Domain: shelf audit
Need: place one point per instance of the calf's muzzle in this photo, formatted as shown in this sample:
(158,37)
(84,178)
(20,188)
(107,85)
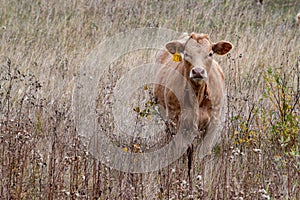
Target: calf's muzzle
(198,74)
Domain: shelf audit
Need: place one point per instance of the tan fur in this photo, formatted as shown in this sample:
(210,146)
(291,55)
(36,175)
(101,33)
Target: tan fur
(209,92)
(199,37)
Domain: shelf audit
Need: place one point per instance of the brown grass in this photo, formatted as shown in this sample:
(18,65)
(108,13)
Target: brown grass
(42,44)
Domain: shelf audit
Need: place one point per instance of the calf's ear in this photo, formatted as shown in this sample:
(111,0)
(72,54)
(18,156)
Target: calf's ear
(222,47)
(175,46)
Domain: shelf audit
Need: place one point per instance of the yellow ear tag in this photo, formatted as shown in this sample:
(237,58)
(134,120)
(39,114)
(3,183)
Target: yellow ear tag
(177,57)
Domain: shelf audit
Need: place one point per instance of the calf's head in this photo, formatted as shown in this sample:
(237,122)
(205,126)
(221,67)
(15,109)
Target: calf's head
(198,51)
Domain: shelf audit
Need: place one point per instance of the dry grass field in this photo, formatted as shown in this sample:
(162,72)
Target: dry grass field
(43,44)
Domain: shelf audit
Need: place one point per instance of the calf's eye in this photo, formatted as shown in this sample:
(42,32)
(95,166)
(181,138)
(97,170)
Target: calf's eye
(210,54)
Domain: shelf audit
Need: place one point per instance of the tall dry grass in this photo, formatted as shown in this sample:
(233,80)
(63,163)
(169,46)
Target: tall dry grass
(42,44)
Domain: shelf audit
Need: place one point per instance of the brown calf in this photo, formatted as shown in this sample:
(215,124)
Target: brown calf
(200,70)
(204,76)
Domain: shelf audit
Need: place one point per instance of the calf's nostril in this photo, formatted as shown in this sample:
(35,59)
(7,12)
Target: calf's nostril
(194,71)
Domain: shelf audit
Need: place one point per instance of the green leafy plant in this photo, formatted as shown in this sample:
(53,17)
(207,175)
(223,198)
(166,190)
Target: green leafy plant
(282,114)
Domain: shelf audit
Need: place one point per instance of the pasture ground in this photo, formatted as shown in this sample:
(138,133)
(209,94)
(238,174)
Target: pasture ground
(42,46)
